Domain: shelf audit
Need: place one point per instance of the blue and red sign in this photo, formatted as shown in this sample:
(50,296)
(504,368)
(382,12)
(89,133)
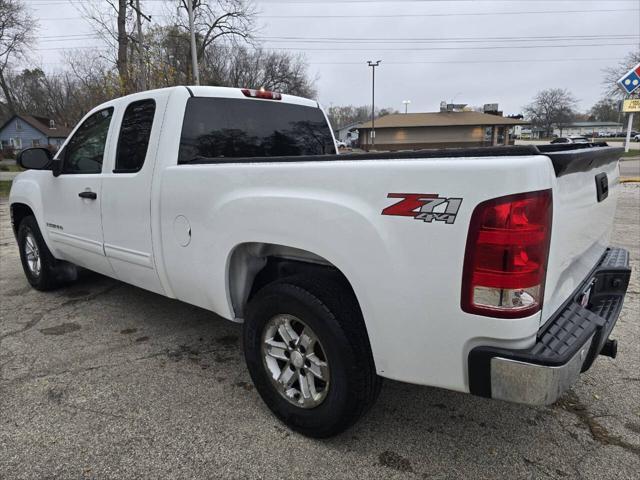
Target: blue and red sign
(631,81)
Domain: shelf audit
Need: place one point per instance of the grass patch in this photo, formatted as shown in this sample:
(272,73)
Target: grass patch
(11,168)
(631,153)
(5,187)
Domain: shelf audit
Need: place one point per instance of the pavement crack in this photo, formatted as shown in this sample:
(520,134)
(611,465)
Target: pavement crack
(39,316)
(91,296)
(572,403)
(97,412)
(27,326)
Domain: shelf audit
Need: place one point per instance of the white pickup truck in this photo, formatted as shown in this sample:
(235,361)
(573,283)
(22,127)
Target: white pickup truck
(482,270)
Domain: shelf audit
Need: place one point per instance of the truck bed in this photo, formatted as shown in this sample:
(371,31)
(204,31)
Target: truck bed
(565,158)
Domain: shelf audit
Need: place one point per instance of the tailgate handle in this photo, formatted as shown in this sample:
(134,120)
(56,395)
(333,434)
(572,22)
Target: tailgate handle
(602,186)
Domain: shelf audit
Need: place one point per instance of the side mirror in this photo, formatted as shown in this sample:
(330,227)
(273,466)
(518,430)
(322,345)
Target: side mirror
(36,158)
(56,167)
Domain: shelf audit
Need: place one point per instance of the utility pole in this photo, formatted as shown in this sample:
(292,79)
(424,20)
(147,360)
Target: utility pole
(143,76)
(194,54)
(373,100)
(406,105)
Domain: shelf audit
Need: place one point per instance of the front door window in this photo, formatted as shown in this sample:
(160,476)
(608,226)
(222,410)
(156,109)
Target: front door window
(85,151)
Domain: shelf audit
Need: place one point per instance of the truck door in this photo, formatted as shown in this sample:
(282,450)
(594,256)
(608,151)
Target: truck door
(72,201)
(126,206)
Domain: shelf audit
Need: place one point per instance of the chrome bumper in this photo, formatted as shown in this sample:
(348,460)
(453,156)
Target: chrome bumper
(521,382)
(566,346)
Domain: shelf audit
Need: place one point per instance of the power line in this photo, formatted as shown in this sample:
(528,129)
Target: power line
(452,62)
(404,15)
(97,47)
(402,49)
(555,37)
(493,47)
(407,15)
(465,62)
(48,37)
(307,2)
(451,14)
(350,40)
(414,39)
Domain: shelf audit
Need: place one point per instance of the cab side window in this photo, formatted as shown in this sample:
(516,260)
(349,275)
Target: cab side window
(134,136)
(85,151)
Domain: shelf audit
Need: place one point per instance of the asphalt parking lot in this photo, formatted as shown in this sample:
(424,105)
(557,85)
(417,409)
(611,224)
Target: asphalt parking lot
(104,380)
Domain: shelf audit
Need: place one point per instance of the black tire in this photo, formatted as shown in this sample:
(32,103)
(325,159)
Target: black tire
(52,273)
(325,303)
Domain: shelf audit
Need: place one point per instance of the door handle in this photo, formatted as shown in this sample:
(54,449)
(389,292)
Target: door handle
(89,195)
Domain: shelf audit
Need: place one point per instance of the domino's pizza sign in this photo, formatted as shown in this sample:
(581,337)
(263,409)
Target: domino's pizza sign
(631,81)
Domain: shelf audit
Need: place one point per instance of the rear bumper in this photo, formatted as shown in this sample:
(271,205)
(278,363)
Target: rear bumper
(566,346)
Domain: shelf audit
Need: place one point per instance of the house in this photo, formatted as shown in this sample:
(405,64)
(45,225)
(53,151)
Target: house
(444,129)
(523,132)
(590,129)
(23,131)
(348,134)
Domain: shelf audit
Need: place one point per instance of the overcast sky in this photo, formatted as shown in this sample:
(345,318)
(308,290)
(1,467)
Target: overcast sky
(431,50)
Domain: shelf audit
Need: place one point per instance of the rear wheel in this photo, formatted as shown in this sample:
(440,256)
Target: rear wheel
(308,354)
(42,270)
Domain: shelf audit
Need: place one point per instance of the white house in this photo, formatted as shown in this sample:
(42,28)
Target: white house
(348,134)
(587,129)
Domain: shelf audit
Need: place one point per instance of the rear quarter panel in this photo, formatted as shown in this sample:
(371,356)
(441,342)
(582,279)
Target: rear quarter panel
(406,273)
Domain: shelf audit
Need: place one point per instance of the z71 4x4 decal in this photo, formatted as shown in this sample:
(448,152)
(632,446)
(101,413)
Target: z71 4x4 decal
(427,207)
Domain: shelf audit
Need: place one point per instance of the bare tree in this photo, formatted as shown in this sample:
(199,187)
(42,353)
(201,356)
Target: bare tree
(341,116)
(225,65)
(605,110)
(89,77)
(91,80)
(169,61)
(123,43)
(67,95)
(281,72)
(554,106)
(613,74)
(218,22)
(114,23)
(16,34)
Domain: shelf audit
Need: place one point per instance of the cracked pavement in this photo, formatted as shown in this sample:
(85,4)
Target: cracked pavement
(104,380)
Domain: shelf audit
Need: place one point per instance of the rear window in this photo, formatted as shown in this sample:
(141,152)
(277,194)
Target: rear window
(239,128)
(134,136)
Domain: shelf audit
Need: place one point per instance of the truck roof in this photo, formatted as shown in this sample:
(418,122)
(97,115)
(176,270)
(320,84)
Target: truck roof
(207,91)
(231,92)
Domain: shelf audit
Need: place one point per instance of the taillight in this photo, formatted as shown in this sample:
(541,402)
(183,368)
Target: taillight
(264,94)
(506,257)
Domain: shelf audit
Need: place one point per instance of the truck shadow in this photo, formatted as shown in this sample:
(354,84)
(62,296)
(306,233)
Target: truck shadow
(409,428)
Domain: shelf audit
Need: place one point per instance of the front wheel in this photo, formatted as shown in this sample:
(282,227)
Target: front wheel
(42,270)
(308,354)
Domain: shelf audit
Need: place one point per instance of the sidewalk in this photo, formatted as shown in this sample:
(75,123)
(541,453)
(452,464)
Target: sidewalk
(4,176)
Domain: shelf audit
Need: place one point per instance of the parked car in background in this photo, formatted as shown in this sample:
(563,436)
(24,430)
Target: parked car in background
(637,138)
(570,140)
(340,144)
(606,134)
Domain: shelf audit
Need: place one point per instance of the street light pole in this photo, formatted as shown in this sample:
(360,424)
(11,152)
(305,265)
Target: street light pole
(406,105)
(373,100)
(194,55)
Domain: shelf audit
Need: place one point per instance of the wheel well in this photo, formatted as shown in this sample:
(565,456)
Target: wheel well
(18,212)
(254,265)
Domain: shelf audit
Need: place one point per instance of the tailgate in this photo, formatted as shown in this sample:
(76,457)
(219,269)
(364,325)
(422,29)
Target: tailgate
(584,205)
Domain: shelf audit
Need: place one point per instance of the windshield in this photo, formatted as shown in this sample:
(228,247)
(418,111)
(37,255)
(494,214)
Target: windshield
(242,128)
